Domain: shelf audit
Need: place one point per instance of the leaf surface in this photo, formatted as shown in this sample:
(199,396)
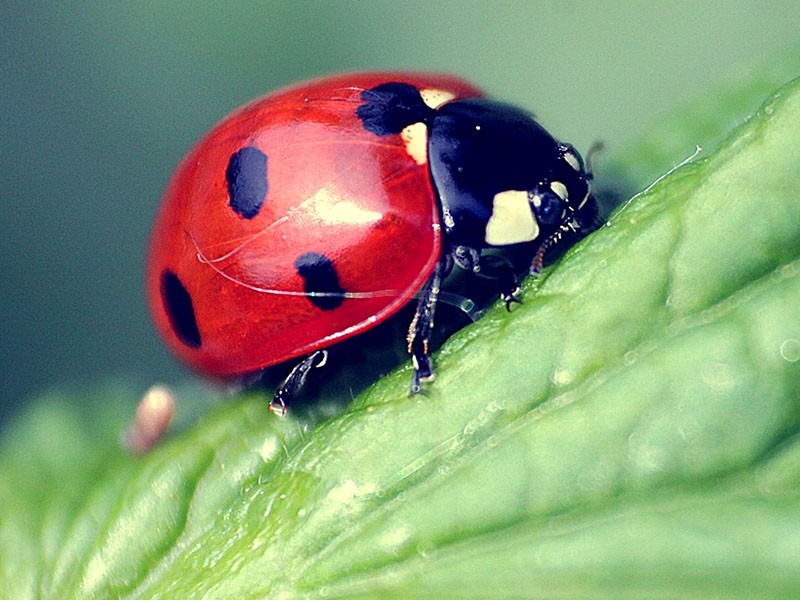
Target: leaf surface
(629,431)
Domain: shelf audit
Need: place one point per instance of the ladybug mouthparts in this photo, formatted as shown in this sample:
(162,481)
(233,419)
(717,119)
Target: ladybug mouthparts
(571,223)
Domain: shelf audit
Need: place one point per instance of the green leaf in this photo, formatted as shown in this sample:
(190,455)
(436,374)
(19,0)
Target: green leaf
(630,431)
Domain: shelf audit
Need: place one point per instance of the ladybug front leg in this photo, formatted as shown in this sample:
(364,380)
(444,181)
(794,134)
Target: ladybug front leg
(295,381)
(491,266)
(501,270)
(419,332)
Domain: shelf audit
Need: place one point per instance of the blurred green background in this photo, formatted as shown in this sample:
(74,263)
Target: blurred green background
(99,101)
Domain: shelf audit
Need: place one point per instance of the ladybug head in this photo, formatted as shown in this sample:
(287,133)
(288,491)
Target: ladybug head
(502,179)
(563,204)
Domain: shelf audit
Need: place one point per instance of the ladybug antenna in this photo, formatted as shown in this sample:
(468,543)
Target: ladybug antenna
(595,150)
(389,108)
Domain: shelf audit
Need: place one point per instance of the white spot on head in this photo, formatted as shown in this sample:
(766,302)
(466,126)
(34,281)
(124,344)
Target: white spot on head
(512,220)
(415,137)
(572,160)
(559,189)
(435,98)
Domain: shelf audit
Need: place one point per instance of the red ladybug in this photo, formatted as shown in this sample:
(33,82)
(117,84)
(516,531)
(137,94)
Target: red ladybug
(318,211)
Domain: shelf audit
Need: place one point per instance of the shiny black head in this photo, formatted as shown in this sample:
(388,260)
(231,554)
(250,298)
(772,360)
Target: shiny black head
(502,179)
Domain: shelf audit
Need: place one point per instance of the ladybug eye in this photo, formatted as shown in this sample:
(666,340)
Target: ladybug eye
(548,207)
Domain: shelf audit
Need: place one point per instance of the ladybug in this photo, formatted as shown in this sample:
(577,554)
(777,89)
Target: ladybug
(314,213)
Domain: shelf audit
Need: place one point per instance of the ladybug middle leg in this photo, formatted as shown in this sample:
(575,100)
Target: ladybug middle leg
(494,267)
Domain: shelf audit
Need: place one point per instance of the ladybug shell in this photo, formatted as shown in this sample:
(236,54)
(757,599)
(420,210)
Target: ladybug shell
(289,227)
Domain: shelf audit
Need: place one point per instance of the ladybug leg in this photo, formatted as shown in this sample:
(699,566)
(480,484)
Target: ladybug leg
(295,381)
(491,266)
(419,332)
(502,271)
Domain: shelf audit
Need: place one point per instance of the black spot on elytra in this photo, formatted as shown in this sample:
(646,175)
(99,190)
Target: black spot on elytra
(247,181)
(390,107)
(321,281)
(179,309)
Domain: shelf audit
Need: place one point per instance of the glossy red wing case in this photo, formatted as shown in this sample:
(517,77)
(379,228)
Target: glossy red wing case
(334,190)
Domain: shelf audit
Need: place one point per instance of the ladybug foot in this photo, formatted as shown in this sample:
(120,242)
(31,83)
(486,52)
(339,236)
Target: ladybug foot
(419,332)
(295,381)
(423,372)
(513,297)
(277,406)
